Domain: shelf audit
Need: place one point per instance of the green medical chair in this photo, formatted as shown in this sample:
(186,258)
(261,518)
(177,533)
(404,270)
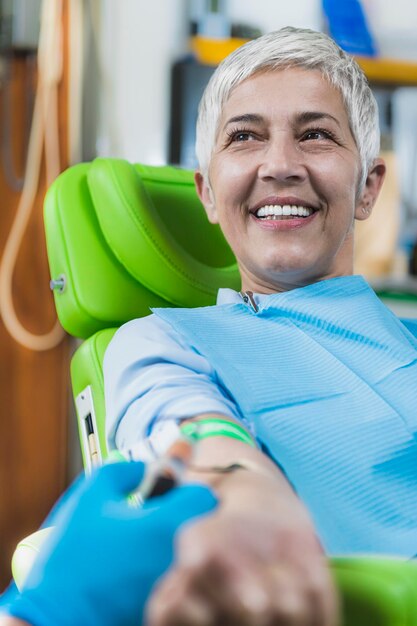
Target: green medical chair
(122,238)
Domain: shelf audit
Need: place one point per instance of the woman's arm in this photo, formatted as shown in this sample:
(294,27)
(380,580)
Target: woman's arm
(261,526)
(152,377)
(6,620)
(257,558)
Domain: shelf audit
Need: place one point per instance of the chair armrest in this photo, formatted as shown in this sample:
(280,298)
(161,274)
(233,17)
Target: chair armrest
(25,554)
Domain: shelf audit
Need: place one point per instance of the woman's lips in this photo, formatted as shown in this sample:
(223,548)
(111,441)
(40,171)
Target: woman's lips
(285,222)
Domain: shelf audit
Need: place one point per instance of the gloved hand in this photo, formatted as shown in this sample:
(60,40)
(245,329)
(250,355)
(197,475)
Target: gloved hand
(8,597)
(103,557)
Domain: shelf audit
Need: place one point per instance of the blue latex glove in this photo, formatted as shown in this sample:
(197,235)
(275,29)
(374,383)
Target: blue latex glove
(8,597)
(104,556)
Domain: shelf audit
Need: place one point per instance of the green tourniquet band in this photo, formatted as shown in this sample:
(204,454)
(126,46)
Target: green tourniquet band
(202,429)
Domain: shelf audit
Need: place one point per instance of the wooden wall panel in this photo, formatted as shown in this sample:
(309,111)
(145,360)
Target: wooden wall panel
(34,396)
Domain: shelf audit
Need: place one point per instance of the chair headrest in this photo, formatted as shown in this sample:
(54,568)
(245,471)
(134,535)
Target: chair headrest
(128,237)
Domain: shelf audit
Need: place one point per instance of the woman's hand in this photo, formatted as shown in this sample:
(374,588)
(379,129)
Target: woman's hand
(255,562)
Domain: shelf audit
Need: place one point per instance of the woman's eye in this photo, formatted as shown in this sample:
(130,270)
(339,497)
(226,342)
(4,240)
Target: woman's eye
(317,134)
(240,136)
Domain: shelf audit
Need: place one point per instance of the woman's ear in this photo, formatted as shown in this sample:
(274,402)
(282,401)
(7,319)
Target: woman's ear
(371,190)
(206,196)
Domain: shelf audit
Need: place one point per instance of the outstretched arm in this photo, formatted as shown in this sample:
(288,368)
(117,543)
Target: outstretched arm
(255,560)
(261,542)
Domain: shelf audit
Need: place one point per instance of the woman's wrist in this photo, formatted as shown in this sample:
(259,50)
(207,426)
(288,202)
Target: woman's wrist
(248,490)
(8,620)
(244,479)
(254,481)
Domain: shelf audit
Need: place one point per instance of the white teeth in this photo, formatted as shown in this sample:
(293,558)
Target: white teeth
(276,210)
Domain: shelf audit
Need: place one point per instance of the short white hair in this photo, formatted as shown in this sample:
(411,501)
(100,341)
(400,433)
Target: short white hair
(292,47)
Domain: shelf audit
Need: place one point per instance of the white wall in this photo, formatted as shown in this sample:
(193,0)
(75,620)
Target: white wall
(270,15)
(394,24)
(139,40)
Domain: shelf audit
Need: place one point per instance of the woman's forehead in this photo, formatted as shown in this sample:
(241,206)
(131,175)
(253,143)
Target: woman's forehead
(290,89)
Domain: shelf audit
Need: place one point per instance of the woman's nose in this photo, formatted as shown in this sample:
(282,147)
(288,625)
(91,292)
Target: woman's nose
(281,160)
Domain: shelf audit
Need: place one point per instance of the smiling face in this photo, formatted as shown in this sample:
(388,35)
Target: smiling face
(283,180)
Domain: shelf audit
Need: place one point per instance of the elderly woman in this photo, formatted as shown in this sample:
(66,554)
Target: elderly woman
(306,363)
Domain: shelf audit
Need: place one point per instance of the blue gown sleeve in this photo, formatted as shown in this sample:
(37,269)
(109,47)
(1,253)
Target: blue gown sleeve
(152,378)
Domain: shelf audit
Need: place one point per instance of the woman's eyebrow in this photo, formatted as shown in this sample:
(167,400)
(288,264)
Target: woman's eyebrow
(312,116)
(245,118)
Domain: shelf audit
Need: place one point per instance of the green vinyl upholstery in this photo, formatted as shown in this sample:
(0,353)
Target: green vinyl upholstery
(376,591)
(127,237)
(86,371)
(124,238)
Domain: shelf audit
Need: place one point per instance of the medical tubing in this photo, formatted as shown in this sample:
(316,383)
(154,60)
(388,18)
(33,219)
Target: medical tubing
(51,71)
(202,429)
(44,129)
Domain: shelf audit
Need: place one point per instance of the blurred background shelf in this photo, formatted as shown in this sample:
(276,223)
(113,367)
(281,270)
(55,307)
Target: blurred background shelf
(389,72)
(380,71)
(406,285)
(398,293)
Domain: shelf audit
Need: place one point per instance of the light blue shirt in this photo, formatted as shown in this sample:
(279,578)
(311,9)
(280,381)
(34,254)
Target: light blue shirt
(327,375)
(153,379)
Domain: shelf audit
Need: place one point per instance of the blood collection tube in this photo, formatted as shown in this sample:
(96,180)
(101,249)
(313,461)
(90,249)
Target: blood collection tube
(166,472)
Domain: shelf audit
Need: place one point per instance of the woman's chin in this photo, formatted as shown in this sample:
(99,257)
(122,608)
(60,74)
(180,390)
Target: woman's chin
(273,278)
(287,269)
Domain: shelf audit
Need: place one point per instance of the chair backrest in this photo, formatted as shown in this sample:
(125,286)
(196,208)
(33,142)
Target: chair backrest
(122,238)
